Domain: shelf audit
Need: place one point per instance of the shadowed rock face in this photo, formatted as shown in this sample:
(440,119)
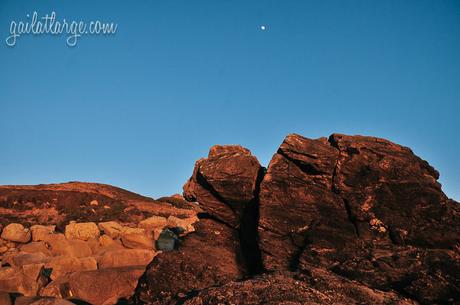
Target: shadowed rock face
(338,220)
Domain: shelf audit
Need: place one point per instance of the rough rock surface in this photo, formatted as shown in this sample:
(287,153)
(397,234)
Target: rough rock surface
(338,220)
(224,183)
(208,257)
(58,204)
(105,286)
(365,208)
(16,232)
(83,231)
(287,289)
(108,256)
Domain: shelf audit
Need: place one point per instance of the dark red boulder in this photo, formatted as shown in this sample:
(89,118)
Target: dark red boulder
(224,183)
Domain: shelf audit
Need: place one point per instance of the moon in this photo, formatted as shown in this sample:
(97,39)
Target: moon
(263,28)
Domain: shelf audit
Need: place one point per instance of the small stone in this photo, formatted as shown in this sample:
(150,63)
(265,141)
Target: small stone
(83,230)
(167,240)
(3,249)
(17,233)
(94,202)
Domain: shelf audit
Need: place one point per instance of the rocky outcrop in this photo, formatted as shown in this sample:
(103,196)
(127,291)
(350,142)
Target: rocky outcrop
(338,220)
(354,219)
(365,208)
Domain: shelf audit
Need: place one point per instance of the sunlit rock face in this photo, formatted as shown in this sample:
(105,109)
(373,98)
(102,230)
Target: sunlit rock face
(47,260)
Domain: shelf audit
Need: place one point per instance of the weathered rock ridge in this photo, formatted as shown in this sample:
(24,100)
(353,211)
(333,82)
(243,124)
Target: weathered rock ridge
(338,220)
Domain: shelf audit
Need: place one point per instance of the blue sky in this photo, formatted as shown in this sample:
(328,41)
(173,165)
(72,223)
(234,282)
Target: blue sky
(138,108)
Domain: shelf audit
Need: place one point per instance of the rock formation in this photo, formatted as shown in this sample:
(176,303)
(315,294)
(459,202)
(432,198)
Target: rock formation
(338,220)
(84,261)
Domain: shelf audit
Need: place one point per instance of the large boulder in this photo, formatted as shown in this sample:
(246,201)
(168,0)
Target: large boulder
(389,190)
(17,233)
(297,204)
(83,231)
(224,183)
(364,207)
